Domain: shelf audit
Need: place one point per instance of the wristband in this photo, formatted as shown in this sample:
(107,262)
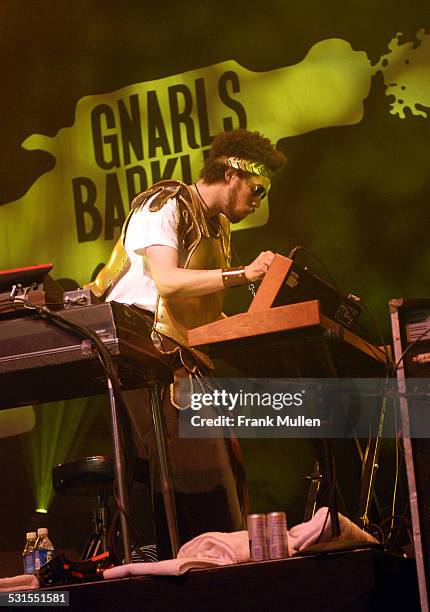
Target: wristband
(233,277)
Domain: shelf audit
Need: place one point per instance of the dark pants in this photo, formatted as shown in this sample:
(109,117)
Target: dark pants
(204,474)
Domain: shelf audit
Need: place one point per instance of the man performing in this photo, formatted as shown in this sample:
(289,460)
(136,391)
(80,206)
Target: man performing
(172,260)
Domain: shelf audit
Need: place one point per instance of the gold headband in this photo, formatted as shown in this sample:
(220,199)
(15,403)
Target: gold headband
(245,164)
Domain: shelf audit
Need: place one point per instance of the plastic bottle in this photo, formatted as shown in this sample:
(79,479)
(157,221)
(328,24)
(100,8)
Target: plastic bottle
(44,549)
(28,553)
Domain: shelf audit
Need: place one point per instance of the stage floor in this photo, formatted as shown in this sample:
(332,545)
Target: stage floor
(351,581)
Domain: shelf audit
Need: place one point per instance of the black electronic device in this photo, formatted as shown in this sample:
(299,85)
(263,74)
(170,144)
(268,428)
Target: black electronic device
(24,276)
(31,284)
(41,362)
(301,285)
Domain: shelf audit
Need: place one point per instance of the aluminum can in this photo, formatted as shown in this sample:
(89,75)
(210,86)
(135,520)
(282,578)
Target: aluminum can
(257,534)
(277,535)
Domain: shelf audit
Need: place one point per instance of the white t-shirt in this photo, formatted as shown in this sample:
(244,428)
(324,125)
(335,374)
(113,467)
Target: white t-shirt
(145,229)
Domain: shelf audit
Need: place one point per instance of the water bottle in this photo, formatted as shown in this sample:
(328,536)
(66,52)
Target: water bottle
(44,549)
(28,553)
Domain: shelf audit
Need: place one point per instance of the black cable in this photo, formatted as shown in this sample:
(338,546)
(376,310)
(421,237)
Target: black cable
(103,353)
(298,248)
(380,336)
(135,532)
(331,497)
(375,527)
(402,520)
(409,348)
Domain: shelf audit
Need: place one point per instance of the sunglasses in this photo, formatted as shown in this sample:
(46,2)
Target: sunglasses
(258,191)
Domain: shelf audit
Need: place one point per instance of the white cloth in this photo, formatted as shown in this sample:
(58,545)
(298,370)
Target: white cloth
(221,548)
(216,548)
(206,550)
(145,229)
(23,582)
(305,534)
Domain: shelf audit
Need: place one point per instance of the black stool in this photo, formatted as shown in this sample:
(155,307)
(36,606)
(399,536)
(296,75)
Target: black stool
(94,477)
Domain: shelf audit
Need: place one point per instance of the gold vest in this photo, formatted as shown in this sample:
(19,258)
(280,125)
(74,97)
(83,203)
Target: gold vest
(202,245)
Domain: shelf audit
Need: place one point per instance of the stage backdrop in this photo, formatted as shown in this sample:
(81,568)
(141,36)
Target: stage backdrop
(100,99)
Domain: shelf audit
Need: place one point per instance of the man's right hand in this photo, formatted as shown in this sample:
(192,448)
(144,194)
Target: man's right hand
(257,269)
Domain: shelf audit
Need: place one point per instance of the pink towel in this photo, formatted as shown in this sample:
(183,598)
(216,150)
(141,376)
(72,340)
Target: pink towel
(19,583)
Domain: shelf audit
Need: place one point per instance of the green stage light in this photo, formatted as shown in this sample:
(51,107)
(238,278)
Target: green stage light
(58,426)
(41,511)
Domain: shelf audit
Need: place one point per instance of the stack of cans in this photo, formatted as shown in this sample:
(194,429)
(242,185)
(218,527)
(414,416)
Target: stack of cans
(268,536)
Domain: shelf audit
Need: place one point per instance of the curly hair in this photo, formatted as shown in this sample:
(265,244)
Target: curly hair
(244,144)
